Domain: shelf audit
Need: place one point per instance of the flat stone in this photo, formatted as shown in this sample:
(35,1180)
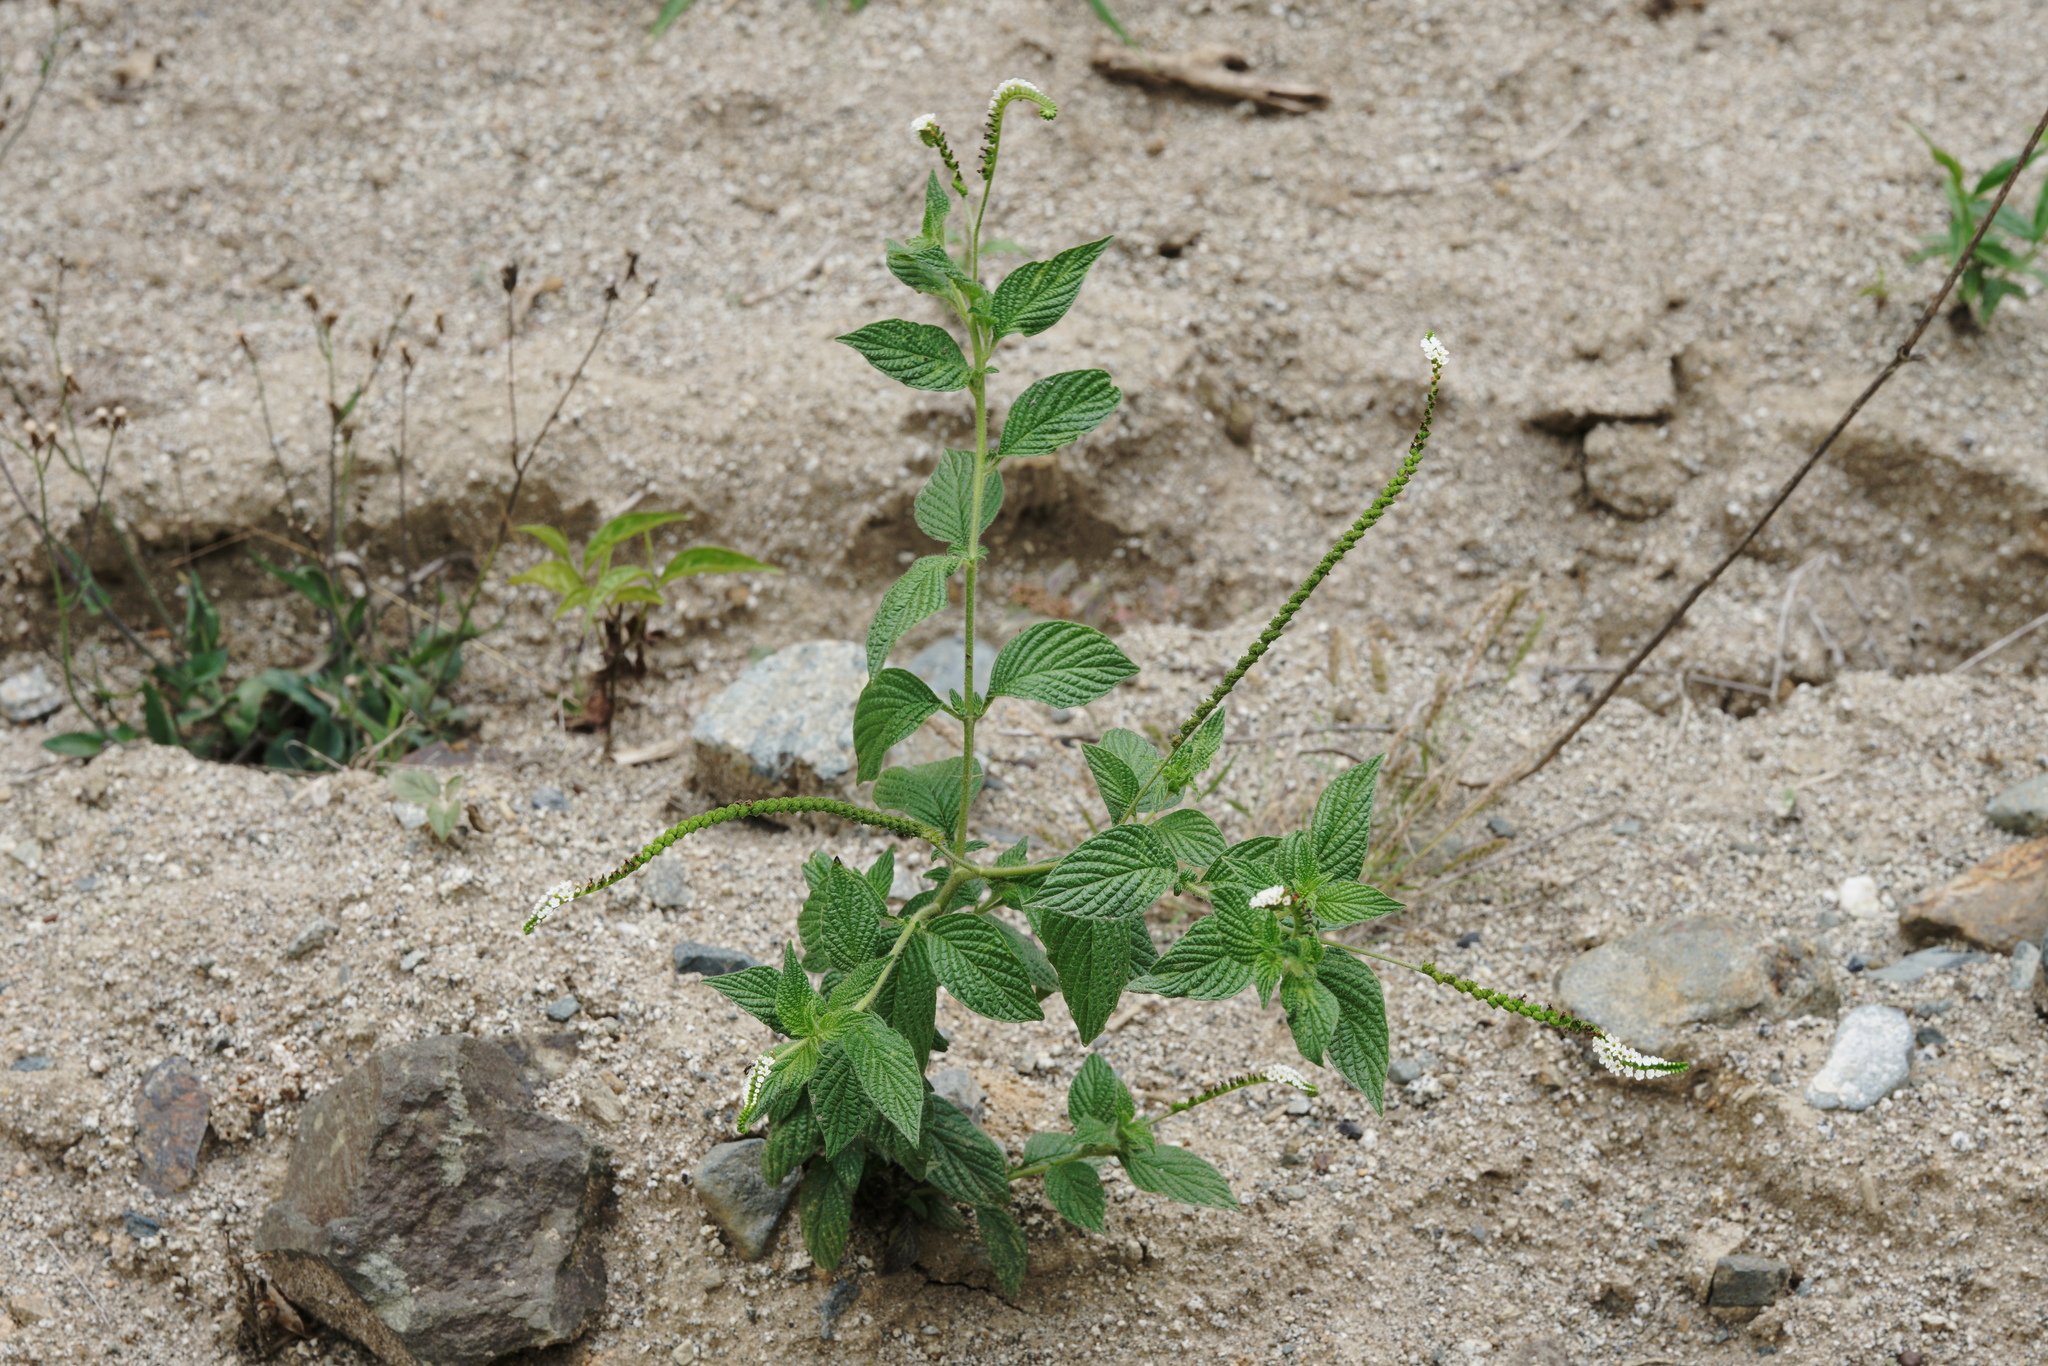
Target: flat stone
(312,936)
(958,1085)
(433,1215)
(784,728)
(1996,904)
(2021,808)
(603,1103)
(30,696)
(1647,987)
(736,1199)
(1914,966)
(1742,1281)
(1631,469)
(2026,963)
(170,1123)
(1871,1058)
(709,959)
(26,1308)
(666,882)
(34,1062)
(563,1010)
(1636,390)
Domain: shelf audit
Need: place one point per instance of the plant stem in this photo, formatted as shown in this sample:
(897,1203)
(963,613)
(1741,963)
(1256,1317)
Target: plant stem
(952,883)
(1499,1000)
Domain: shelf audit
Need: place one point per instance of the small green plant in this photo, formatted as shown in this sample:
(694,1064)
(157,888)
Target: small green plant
(844,1094)
(2004,259)
(614,598)
(442,801)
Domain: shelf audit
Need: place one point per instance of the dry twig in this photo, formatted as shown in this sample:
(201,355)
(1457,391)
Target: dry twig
(1214,70)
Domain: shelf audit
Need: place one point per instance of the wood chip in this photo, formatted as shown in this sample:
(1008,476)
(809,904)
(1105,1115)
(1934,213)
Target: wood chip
(647,754)
(1217,71)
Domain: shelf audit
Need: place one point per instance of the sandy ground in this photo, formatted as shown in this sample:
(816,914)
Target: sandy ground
(1687,257)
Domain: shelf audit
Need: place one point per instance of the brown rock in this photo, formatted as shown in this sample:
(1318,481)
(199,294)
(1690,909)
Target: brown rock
(1998,903)
(1630,468)
(170,1124)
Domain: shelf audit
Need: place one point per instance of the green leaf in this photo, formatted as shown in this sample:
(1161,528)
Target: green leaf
(926,268)
(557,576)
(1190,837)
(1342,828)
(937,204)
(414,785)
(824,1209)
(1243,930)
(671,10)
(945,505)
(1347,903)
(1008,1253)
(1038,294)
(1102,12)
(624,528)
(1179,1175)
(1044,981)
(1114,781)
(919,593)
(76,744)
(841,1106)
(796,1002)
(926,792)
(1111,876)
(1043,1147)
(974,963)
(910,998)
(881,874)
(853,916)
(889,1073)
(1075,1190)
(712,559)
(1145,763)
(1198,967)
(790,1144)
(553,540)
(1093,959)
(1311,1015)
(1359,1047)
(156,718)
(1059,663)
(917,354)
(752,990)
(965,1162)
(891,708)
(1196,753)
(1098,1093)
(1055,411)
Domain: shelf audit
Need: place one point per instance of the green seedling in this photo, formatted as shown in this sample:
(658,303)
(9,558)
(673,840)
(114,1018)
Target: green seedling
(2004,259)
(442,801)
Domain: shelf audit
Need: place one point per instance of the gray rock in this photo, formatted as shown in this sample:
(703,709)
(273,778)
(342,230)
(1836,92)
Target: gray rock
(785,727)
(34,1062)
(30,696)
(958,1085)
(1871,1058)
(170,1123)
(312,936)
(563,1010)
(1401,1071)
(939,664)
(709,959)
(1501,826)
(836,1302)
(139,1226)
(1649,986)
(736,1199)
(1743,1281)
(2026,962)
(549,799)
(412,959)
(433,1215)
(1631,469)
(2021,808)
(1925,963)
(666,883)
(409,815)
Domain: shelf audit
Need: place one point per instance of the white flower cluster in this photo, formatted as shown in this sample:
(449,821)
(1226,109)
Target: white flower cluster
(1014,89)
(1272,896)
(757,1082)
(924,123)
(1434,350)
(558,896)
(1623,1061)
(1287,1076)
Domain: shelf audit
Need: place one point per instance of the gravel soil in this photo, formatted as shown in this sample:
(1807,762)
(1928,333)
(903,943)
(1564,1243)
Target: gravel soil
(1655,227)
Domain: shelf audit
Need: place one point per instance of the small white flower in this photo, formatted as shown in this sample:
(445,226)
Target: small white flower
(1272,896)
(1434,350)
(558,896)
(1287,1076)
(1623,1061)
(924,123)
(757,1082)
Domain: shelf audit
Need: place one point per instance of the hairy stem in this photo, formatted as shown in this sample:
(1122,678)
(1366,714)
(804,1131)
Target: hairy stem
(1499,1000)
(1322,569)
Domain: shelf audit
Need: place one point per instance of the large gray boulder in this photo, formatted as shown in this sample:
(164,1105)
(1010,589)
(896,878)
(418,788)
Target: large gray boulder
(433,1215)
(1647,987)
(784,728)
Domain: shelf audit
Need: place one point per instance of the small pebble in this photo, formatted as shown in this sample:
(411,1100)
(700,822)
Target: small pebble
(1871,1057)
(34,1062)
(313,935)
(412,960)
(564,1010)
(409,815)
(1910,1356)
(1927,1036)
(2026,961)
(1468,939)
(140,1226)
(1501,826)
(1298,1106)
(1294,1192)
(1858,962)
(1351,1129)
(549,799)
(1628,826)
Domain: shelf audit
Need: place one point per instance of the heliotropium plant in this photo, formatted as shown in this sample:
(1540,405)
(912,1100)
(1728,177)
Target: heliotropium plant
(855,997)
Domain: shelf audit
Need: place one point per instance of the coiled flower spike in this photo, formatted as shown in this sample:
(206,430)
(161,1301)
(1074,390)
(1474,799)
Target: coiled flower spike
(926,126)
(1005,93)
